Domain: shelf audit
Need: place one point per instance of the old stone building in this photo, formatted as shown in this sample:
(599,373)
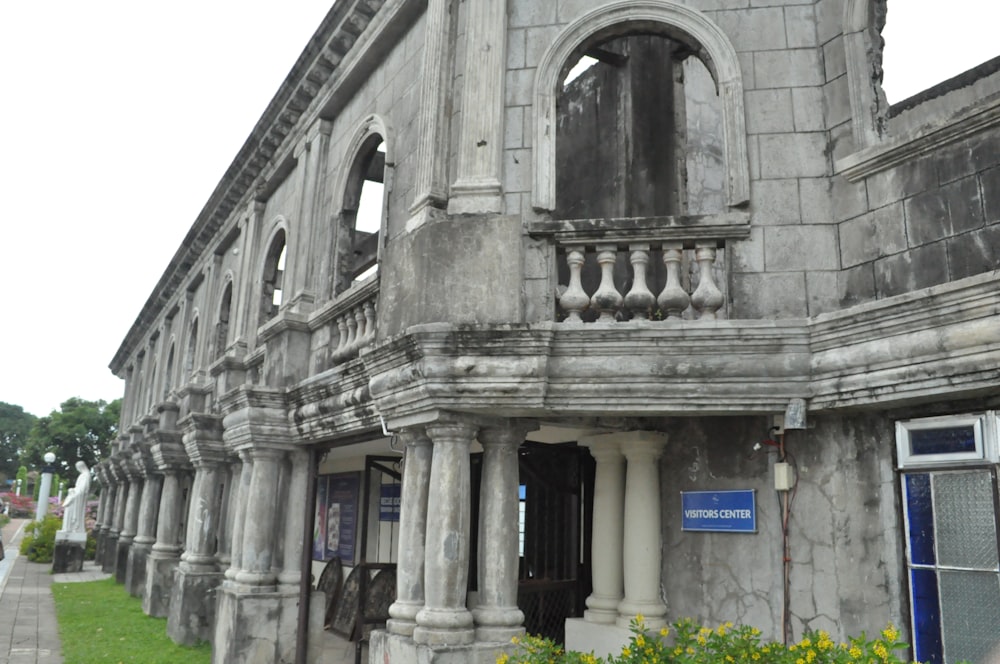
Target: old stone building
(712,265)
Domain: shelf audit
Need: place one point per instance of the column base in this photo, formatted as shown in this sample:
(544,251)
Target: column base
(652,613)
(191,613)
(499,624)
(398,649)
(602,610)
(444,627)
(403,617)
(135,569)
(68,557)
(601,639)
(254,627)
(160,568)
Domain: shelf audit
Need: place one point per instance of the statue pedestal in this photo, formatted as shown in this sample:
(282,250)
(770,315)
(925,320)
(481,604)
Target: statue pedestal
(69,551)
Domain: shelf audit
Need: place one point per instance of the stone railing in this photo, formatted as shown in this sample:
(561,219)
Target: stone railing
(662,268)
(346,325)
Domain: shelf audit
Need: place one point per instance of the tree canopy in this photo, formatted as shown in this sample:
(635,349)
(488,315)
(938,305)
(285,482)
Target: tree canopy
(79,430)
(15,424)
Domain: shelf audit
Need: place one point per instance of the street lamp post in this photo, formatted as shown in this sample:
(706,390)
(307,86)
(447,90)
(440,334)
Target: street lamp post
(43,492)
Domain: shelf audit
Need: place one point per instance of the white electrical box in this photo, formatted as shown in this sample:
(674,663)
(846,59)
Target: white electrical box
(784,477)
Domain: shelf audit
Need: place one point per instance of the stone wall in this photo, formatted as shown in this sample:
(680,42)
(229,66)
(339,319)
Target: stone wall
(845,545)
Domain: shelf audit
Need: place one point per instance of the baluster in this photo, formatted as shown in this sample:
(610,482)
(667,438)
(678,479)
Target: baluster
(640,299)
(352,333)
(339,351)
(359,316)
(574,299)
(369,323)
(707,298)
(606,298)
(674,299)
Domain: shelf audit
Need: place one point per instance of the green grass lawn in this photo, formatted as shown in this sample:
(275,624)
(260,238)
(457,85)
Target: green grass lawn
(100,622)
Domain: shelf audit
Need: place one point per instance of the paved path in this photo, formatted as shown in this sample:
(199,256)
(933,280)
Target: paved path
(28,630)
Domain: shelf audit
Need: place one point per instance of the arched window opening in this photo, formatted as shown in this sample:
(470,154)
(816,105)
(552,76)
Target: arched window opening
(192,345)
(273,277)
(222,327)
(639,130)
(151,390)
(168,374)
(361,218)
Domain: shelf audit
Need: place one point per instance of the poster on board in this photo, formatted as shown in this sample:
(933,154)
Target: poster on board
(342,515)
(319,523)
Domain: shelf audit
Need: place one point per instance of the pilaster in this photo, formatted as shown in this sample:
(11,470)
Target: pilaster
(480,145)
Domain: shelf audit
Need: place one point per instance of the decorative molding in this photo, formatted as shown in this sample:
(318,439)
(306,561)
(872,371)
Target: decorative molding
(928,138)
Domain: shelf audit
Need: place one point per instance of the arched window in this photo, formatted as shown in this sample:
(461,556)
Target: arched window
(639,131)
(168,374)
(666,82)
(273,277)
(222,327)
(363,205)
(192,348)
(151,388)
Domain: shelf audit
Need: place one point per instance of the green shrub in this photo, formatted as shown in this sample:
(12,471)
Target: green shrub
(39,539)
(688,643)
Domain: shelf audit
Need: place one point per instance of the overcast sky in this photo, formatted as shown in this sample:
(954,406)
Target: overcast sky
(119,118)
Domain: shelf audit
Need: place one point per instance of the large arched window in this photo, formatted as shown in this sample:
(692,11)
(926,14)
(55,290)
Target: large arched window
(168,373)
(272,279)
(222,327)
(363,189)
(648,52)
(192,349)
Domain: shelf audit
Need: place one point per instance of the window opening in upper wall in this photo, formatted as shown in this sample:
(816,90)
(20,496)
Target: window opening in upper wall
(222,327)
(911,63)
(363,213)
(639,132)
(272,283)
(192,345)
(168,375)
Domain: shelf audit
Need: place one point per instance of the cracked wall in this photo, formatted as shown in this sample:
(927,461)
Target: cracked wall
(845,519)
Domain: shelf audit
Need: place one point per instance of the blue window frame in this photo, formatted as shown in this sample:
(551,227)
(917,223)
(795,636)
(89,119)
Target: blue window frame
(952,529)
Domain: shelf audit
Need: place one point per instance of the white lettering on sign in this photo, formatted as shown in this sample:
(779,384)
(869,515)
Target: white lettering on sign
(717,514)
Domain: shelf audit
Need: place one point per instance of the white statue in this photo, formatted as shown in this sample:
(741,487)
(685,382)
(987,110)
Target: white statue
(75,502)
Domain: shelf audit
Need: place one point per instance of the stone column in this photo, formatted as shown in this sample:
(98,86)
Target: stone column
(295,522)
(257,552)
(642,553)
(445,620)
(110,489)
(192,600)
(116,517)
(608,528)
(234,468)
(497,616)
(238,508)
(129,519)
(412,531)
(166,551)
(480,144)
(145,535)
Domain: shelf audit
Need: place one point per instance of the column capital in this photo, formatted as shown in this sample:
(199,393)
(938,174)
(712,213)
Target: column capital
(511,432)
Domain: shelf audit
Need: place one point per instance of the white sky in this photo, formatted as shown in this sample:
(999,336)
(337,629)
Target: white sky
(119,117)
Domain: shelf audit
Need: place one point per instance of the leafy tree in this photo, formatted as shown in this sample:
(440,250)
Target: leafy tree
(15,424)
(78,430)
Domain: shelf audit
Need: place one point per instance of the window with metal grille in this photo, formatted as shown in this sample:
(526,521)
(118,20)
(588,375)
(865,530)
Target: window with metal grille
(950,503)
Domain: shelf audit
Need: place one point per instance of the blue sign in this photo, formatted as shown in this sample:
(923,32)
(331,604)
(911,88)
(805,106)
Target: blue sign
(719,511)
(388,502)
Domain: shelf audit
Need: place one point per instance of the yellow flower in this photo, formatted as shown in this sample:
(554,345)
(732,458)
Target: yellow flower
(678,650)
(756,655)
(890,633)
(502,659)
(515,639)
(855,652)
(626,652)
(721,630)
(664,631)
(639,618)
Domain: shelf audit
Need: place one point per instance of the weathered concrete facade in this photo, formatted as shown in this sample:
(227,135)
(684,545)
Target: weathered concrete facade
(719,219)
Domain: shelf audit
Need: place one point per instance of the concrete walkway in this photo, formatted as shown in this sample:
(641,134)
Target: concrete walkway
(29,633)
